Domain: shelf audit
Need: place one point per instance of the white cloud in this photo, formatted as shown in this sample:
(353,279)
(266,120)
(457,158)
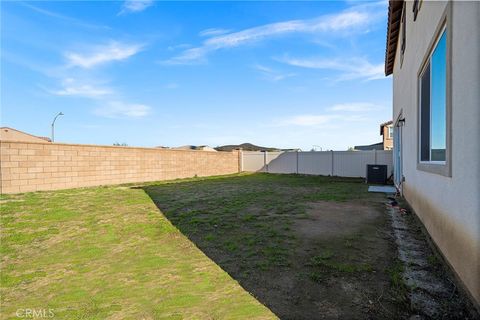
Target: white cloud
(132,6)
(344,21)
(307,120)
(67,19)
(330,23)
(97,55)
(319,120)
(351,68)
(271,74)
(354,19)
(110,101)
(212,32)
(333,116)
(178,46)
(354,107)
(71,87)
(189,56)
(119,109)
(87,83)
(171,85)
(83,90)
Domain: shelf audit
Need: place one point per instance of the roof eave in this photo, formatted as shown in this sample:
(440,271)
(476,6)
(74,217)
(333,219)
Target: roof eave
(393,28)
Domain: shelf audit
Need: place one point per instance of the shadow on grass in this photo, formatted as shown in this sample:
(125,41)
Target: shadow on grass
(247,225)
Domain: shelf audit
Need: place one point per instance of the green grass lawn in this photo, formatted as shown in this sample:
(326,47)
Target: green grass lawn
(105,252)
(246,246)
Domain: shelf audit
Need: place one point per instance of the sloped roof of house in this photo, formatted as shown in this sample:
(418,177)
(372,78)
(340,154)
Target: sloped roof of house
(393,30)
(375,146)
(4,135)
(383,125)
(192,147)
(245,146)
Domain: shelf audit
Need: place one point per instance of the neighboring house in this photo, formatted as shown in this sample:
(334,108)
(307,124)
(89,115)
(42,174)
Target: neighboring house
(10,134)
(433,52)
(386,130)
(199,148)
(375,146)
(251,147)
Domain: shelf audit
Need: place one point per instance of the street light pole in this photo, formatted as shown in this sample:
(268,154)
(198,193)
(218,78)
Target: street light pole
(53,125)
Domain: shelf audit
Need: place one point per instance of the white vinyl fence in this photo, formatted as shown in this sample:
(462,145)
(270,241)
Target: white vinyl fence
(325,163)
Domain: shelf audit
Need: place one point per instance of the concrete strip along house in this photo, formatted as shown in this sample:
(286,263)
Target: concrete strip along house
(433,52)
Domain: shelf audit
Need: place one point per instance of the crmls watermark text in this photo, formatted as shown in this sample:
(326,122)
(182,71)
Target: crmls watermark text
(29,313)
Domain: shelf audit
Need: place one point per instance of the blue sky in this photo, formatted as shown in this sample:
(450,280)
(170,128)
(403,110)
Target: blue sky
(285,74)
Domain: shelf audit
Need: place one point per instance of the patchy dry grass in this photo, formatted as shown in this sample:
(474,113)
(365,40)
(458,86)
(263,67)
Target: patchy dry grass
(107,252)
(307,247)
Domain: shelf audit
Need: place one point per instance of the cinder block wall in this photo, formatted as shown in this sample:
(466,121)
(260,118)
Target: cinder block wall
(27,166)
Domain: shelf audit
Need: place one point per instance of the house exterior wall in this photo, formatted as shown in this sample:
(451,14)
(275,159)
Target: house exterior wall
(26,167)
(387,139)
(448,206)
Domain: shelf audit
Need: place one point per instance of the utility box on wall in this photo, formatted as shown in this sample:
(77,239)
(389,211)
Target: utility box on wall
(376,173)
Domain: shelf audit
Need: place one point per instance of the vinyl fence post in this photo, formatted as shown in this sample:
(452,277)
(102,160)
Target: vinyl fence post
(265,167)
(332,162)
(240,155)
(297,161)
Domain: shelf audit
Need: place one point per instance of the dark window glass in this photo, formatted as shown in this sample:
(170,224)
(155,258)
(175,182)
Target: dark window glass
(425,115)
(404,30)
(415,9)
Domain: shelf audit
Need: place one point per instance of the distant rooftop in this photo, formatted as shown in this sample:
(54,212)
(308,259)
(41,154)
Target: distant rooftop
(10,134)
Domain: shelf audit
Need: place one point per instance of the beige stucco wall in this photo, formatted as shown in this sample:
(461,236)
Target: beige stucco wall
(449,207)
(9,134)
(26,167)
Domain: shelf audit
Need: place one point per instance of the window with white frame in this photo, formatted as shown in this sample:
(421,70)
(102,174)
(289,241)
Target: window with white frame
(390,132)
(433,104)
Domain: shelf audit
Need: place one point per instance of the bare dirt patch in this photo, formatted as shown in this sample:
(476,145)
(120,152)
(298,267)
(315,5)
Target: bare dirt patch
(339,268)
(329,219)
